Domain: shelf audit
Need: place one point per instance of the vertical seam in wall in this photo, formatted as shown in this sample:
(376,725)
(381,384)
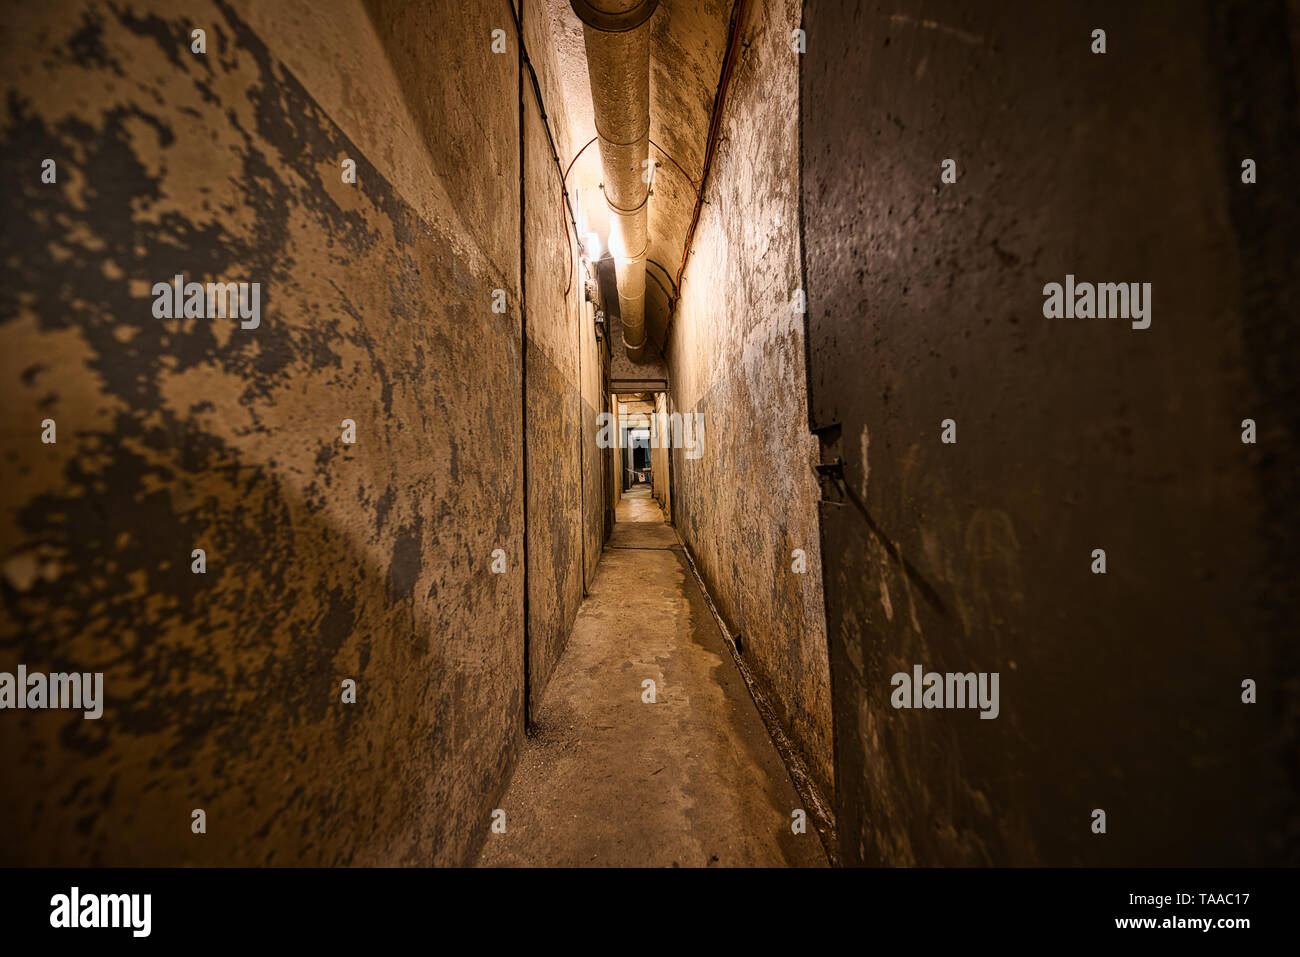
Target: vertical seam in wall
(803,254)
(523,362)
(835,851)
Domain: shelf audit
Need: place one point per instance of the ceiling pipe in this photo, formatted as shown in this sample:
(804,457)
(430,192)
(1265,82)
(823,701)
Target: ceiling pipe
(616,34)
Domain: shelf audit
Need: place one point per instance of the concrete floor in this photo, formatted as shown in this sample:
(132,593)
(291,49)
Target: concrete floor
(637,505)
(691,780)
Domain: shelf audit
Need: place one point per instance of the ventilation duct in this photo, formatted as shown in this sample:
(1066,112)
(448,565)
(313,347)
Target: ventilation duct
(616,34)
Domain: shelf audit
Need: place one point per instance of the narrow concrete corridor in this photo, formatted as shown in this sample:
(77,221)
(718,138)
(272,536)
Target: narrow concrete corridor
(635,433)
(609,778)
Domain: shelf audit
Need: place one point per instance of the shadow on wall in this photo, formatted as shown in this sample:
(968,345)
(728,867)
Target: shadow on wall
(1066,505)
(324,560)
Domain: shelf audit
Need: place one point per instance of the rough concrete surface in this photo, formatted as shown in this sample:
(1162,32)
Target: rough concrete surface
(325,560)
(555,411)
(637,507)
(1118,691)
(736,356)
(660,452)
(605,779)
(441,561)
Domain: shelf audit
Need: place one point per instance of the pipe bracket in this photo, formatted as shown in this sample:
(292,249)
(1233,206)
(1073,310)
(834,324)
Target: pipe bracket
(621,211)
(632,142)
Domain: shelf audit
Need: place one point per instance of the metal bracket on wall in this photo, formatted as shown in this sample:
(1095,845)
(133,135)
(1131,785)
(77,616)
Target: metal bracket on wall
(830,474)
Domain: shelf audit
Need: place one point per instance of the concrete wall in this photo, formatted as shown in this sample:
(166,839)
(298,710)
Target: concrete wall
(594,460)
(325,561)
(616,451)
(556,410)
(659,452)
(1120,692)
(736,356)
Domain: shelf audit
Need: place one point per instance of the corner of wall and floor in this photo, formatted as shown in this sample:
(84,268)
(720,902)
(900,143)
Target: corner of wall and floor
(747,508)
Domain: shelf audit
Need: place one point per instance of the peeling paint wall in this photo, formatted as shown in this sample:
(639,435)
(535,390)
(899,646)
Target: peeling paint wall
(325,561)
(736,357)
(1122,691)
